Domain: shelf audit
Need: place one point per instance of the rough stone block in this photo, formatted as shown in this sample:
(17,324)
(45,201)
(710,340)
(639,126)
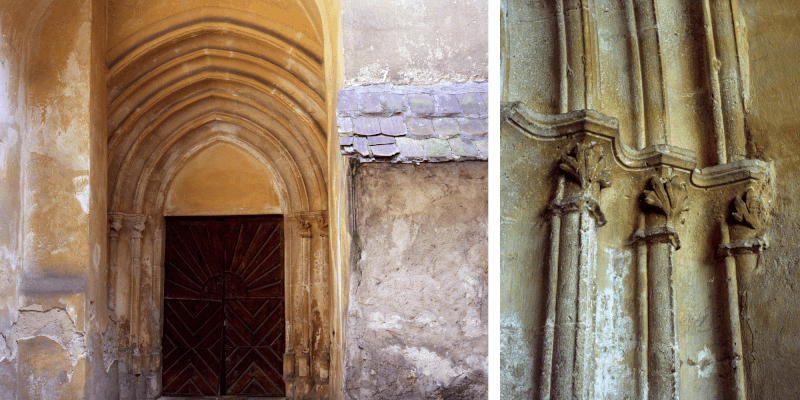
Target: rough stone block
(380,139)
(344,124)
(348,150)
(371,103)
(410,149)
(393,126)
(384,150)
(421,104)
(361,145)
(483,146)
(472,104)
(366,126)
(348,101)
(419,128)
(437,149)
(447,104)
(392,102)
(446,128)
(345,140)
(473,128)
(463,148)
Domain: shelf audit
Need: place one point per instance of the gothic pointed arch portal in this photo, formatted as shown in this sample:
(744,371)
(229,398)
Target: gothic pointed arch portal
(183,82)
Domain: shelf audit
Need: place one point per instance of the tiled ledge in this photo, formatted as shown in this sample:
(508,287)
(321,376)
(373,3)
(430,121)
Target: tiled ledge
(413,124)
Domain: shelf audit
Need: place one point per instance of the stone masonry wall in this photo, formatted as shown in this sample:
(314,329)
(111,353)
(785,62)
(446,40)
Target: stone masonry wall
(417,323)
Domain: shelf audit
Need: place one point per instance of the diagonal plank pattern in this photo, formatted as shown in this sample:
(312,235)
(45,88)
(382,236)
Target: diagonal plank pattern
(224,307)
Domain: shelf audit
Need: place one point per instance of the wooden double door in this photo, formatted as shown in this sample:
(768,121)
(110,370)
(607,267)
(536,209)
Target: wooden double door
(224,321)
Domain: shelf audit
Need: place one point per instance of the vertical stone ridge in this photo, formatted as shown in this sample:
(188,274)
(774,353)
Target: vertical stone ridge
(669,197)
(741,243)
(569,355)
(578,47)
(655,102)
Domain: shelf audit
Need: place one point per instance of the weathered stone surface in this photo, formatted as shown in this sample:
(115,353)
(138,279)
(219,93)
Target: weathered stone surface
(361,145)
(446,105)
(367,125)
(473,128)
(384,150)
(371,103)
(344,124)
(419,128)
(393,126)
(424,113)
(446,128)
(417,322)
(421,104)
(380,139)
(715,57)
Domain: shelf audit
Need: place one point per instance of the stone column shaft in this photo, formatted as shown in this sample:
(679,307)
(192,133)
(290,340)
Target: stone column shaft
(578,44)
(652,79)
(663,346)
(135,285)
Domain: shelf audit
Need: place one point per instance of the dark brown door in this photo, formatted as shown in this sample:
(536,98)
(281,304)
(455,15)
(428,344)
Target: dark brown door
(223,307)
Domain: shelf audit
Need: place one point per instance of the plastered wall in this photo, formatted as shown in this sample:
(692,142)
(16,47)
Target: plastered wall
(770,298)
(414,42)
(54,319)
(417,323)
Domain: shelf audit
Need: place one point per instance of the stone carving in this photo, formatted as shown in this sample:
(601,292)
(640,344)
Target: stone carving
(588,166)
(305,228)
(750,211)
(669,195)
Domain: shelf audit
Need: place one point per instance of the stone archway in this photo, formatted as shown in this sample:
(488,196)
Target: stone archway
(177,88)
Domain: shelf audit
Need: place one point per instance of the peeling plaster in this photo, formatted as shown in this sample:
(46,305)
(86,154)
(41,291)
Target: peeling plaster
(429,363)
(706,364)
(615,336)
(54,324)
(83,192)
(515,365)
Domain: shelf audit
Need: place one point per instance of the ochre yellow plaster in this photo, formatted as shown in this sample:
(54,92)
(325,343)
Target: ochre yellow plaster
(223,180)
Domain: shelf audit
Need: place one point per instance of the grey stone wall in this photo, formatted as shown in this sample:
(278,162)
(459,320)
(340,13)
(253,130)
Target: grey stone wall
(413,124)
(418,314)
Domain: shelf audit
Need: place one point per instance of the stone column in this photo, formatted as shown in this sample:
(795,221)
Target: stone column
(643,23)
(568,363)
(668,198)
(302,307)
(580,72)
(135,285)
(321,312)
(114,227)
(749,216)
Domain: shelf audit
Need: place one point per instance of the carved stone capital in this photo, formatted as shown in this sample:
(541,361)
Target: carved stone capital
(669,196)
(322,221)
(138,225)
(114,224)
(739,247)
(578,204)
(661,234)
(587,165)
(750,211)
(305,227)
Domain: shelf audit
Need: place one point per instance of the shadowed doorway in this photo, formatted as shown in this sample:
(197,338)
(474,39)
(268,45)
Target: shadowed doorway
(224,306)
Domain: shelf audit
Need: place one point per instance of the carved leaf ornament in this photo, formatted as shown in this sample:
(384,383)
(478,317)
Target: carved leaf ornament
(588,166)
(749,211)
(668,195)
